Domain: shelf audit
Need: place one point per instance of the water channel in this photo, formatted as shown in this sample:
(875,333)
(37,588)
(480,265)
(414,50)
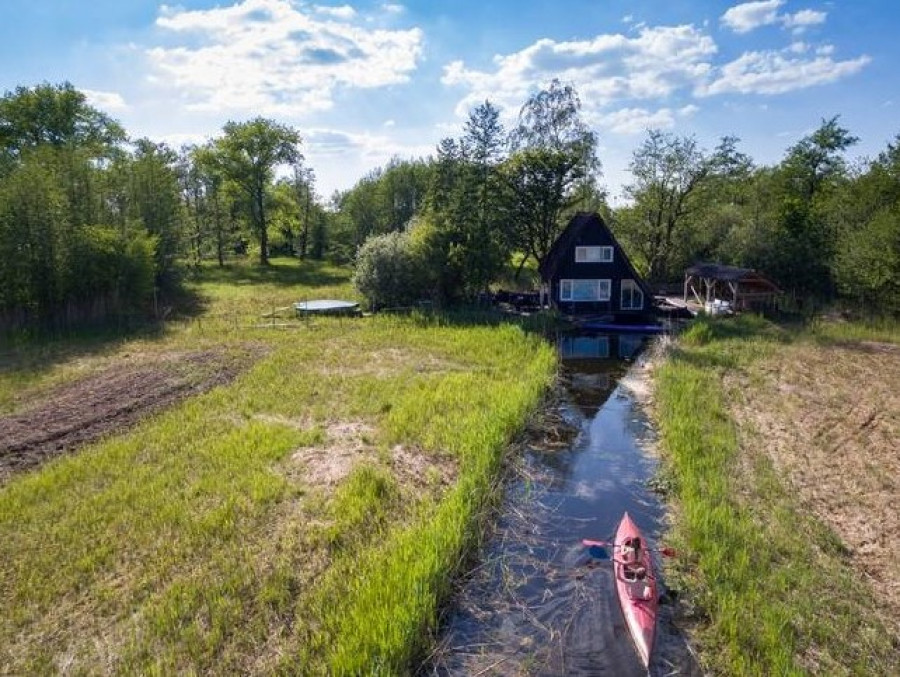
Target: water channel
(538,602)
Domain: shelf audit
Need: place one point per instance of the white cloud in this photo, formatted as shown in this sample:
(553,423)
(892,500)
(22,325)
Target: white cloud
(393,8)
(629,83)
(179,139)
(341,157)
(445,129)
(606,69)
(273,57)
(638,120)
(342,12)
(771,72)
(803,19)
(105,101)
(321,142)
(634,120)
(748,16)
(745,17)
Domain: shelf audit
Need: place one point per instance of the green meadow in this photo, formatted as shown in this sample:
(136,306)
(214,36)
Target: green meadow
(306,517)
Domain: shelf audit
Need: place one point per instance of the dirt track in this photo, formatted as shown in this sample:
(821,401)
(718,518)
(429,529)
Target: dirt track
(117,398)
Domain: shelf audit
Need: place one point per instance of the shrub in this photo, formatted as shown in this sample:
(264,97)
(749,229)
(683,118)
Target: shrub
(388,272)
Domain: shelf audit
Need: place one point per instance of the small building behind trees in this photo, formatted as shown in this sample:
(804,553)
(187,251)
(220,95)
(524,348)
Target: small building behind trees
(713,285)
(586,272)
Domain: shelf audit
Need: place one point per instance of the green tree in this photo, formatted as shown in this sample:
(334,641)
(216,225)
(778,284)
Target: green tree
(305,191)
(804,245)
(206,196)
(672,177)
(154,201)
(865,214)
(464,230)
(489,239)
(867,263)
(248,154)
(551,168)
(57,116)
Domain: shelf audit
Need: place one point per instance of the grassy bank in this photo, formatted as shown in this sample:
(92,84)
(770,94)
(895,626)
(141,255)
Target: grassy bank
(304,518)
(771,586)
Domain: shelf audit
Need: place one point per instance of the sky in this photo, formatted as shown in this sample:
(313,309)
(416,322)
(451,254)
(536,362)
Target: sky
(365,81)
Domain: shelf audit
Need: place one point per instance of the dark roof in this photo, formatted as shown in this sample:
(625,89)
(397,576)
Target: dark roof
(577,224)
(717,271)
(573,229)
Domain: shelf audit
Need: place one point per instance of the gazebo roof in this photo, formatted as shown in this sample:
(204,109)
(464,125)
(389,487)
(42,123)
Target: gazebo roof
(717,271)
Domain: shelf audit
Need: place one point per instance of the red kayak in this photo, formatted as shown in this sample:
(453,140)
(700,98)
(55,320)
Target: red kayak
(636,586)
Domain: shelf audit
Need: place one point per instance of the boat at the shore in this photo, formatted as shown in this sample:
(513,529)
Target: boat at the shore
(636,586)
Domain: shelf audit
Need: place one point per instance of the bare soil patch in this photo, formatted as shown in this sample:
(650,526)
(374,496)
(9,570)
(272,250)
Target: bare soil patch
(829,419)
(350,442)
(72,415)
(325,465)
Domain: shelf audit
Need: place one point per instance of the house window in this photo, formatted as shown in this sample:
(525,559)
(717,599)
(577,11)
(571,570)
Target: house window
(573,347)
(584,290)
(632,296)
(593,254)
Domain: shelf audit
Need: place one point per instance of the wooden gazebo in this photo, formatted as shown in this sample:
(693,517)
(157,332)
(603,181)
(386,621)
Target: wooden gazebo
(743,288)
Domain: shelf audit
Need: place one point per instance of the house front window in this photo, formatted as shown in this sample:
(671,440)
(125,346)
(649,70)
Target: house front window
(593,254)
(632,296)
(584,290)
(584,346)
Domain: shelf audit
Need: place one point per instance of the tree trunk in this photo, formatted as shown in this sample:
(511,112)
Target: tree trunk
(263,234)
(220,235)
(304,238)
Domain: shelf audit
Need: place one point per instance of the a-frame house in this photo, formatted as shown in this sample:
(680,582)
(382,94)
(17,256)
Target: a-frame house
(586,272)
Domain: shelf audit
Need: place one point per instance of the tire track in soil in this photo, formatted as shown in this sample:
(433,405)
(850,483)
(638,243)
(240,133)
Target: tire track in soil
(112,401)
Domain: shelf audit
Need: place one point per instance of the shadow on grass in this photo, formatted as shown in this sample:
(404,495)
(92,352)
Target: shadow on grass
(38,349)
(285,272)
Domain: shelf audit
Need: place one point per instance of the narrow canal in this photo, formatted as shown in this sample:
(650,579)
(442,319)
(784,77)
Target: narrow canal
(538,603)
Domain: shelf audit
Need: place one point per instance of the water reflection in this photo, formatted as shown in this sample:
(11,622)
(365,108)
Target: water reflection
(588,345)
(537,603)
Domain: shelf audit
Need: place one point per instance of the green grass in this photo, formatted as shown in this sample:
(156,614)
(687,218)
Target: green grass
(885,329)
(769,585)
(194,543)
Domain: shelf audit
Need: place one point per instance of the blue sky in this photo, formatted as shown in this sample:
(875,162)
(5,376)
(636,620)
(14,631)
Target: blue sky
(364,81)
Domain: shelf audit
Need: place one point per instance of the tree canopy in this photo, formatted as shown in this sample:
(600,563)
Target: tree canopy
(95,225)
(248,153)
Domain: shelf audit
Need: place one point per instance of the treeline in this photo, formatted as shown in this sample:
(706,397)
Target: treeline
(485,205)
(823,228)
(95,225)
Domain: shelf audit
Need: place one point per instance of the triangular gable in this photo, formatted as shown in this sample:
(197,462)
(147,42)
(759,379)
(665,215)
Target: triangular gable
(564,245)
